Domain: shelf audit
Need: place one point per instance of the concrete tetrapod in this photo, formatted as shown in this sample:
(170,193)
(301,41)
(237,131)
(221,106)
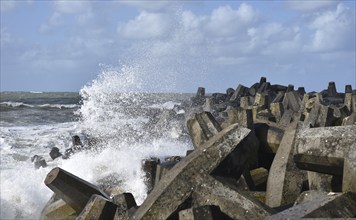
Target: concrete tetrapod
(234,203)
(285,179)
(177,186)
(75,191)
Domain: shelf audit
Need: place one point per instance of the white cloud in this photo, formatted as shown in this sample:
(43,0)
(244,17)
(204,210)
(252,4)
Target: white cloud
(146,25)
(332,30)
(225,21)
(311,5)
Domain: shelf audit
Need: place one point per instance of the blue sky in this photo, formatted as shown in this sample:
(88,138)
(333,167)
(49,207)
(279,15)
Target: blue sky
(176,46)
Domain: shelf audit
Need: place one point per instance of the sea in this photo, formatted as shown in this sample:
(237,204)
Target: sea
(126,126)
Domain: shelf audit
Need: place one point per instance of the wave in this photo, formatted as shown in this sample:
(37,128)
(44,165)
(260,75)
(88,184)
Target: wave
(19,105)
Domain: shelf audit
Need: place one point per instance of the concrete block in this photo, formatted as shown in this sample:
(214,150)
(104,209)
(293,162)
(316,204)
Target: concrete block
(349,120)
(279,97)
(286,119)
(234,203)
(332,205)
(319,181)
(349,177)
(202,127)
(261,100)
(207,212)
(177,186)
(239,92)
(38,161)
(149,167)
(75,191)
(348,89)
(327,141)
(241,116)
(259,176)
(332,89)
(124,202)
(292,101)
(58,210)
(277,110)
(98,208)
(54,153)
(285,179)
(320,164)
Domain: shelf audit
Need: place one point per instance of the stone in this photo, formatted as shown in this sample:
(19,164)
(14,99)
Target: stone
(261,100)
(320,164)
(319,181)
(292,101)
(264,87)
(332,205)
(309,195)
(259,176)
(278,88)
(349,172)
(54,153)
(177,186)
(38,161)
(245,102)
(285,179)
(279,97)
(124,202)
(98,208)
(348,89)
(332,89)
(207,212)
(149,167)
(241,116)
(290,88)
(200,92)
(253,89)
(75,191)
(301,91)
(234,203)
(58,209)
(239,92)
(286,119)
(229,92)
(263,79)
(202,127)
(327,141)
(269,136)
(349,120)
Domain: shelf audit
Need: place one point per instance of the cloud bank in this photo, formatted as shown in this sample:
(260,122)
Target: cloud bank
(185,46)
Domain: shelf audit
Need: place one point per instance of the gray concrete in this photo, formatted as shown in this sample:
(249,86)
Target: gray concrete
(234,203)
(285,179)
(75,191)
(333,205)
(175,187)
(98,208)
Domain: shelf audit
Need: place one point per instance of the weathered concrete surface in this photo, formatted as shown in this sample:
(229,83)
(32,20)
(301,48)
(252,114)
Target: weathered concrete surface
(349,177)
(98,208)
(332,205)
(259,176)
(328,141)
(149,167)
(285,179)
(277,110)
(320,164)
(207,212)
(175,187)
(201,127)
(234,203)
(58,210)
(124,202)
(75,191)
(241,116)
(292,101)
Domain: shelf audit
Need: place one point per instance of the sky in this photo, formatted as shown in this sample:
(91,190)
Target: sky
(176,46)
